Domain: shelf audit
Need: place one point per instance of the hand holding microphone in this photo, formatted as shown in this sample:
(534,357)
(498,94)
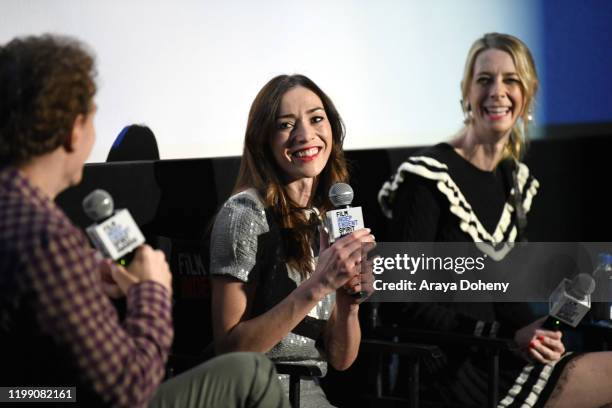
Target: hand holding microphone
(345,220)
(116,235)
(538,344)
(570,301)
(341,262)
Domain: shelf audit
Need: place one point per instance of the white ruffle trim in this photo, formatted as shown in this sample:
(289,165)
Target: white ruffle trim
(468,221)
(389,187)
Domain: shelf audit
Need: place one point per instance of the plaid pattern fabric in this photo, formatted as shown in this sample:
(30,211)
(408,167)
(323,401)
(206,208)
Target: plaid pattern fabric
(48,272)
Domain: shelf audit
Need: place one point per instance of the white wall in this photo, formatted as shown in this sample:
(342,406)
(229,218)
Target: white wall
(190,69)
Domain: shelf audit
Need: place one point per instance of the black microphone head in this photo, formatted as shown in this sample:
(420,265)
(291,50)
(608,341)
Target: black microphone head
(581,286)
(341,195)
(98,205)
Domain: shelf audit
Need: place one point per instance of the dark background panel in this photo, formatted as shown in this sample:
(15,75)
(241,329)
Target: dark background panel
(175,201)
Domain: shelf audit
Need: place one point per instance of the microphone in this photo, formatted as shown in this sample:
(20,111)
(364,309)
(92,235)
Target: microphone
(570,302)
(114,233)
(344,219)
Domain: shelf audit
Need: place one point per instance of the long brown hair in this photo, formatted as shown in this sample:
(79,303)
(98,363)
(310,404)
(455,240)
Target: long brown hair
(528,79)
(259,170)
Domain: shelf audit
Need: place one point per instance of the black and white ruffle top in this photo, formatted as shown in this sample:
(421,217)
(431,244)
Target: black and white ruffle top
(437,195)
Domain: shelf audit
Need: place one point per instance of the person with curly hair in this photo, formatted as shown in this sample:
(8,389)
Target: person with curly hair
(57,324)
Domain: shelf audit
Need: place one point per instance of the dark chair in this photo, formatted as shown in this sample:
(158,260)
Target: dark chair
(415,353)
(492,347)
(134,142)
(295,372)
(192,314)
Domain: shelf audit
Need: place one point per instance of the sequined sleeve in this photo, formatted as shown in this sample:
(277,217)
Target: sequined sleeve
(233,246)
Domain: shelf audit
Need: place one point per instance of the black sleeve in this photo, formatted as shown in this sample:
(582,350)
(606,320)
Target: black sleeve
(416,218)
(416,210)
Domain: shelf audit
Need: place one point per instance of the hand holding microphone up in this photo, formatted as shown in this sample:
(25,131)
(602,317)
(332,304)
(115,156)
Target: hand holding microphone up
(571,300)
(343,221)
(114,233)
(148,265)
(109,285)
(361,285)
(340,262)
(538,344)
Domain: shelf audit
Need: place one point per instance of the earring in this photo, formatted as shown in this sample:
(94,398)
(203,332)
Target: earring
(467,112)
(526,122)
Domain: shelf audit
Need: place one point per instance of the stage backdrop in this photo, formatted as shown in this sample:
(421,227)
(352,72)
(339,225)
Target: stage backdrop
(189,69)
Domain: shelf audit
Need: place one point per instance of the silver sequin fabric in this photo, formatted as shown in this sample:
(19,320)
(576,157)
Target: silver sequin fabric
(234,245)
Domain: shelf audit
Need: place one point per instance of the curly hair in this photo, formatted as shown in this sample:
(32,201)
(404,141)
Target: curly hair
(258,168)
(45,82)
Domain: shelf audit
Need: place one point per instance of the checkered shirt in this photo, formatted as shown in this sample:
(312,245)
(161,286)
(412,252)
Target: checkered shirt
(51,298)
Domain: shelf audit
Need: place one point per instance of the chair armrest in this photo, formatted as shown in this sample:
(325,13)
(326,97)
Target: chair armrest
(295,372)
(416,354)
(406,349)
(297,369)
(493,346)
(446,338)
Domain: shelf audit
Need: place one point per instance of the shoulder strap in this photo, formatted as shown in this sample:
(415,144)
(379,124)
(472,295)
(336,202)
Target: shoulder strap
(521,214)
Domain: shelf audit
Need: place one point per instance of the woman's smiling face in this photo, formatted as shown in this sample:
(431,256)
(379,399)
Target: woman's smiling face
(302,141)
(496,96)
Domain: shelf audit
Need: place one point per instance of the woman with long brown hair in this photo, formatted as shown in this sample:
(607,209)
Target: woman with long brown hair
(278,287)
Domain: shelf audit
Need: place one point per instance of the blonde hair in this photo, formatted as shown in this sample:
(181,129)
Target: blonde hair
(528,78)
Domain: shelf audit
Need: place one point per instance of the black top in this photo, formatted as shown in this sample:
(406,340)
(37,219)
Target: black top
(485,191)
(437,195)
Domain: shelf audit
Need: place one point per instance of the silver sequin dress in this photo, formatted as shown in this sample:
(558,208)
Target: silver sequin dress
(247,245)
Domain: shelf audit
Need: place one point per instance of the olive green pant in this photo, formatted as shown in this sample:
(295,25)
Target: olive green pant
(231,380)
